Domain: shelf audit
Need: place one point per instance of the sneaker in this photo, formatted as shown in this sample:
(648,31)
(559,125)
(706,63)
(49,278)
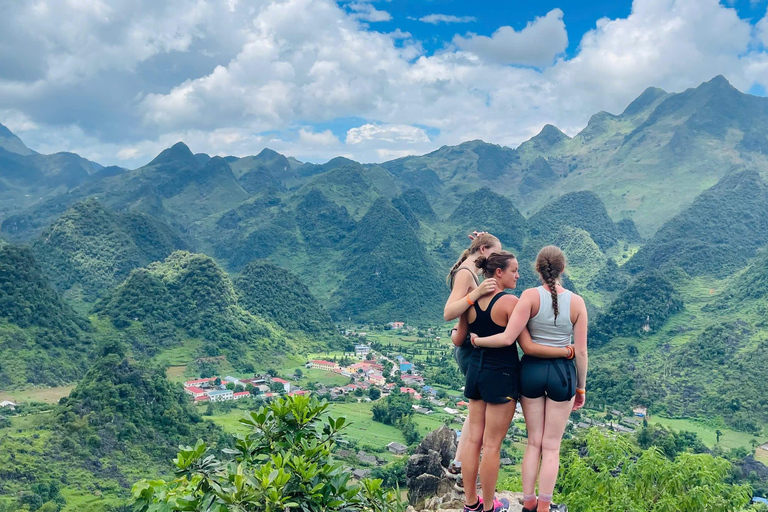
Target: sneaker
(531,509)
(558,507)
(501,505)
(479,507)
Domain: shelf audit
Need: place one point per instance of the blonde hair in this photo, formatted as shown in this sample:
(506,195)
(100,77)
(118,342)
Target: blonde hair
(484,240)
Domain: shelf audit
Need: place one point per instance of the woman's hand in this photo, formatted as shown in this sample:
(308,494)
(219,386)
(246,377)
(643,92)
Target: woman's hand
(579,402)
(486,287)
(472,338)
(476,234)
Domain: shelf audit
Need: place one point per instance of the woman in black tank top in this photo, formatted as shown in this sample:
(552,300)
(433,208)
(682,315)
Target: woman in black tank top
(491,383)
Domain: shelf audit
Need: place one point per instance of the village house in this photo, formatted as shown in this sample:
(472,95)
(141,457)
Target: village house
(233,380)
(201,399)
(405,366)
(377,379)
(8,403)
(396,325)
(299,392)
(421,410)
(221,395)
(413,380)
(450,410)
(285,383)
(201,383)
(241,394)
(415,394)
(362,351)
(319,364)
(360,474)
(194,391)
(641,412)
(366,459)
(397,448)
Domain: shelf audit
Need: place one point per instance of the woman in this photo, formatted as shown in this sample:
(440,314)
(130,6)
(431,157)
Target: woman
(491,381)
(466,289)
(550,388)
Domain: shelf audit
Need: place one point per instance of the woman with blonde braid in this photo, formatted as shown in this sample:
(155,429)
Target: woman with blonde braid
(549,388)
(466,289)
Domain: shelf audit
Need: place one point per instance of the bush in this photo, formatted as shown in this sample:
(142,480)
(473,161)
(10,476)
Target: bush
(285,461)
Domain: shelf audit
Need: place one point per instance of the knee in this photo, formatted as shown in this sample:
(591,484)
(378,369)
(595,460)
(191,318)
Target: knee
(552,445)
(534,442)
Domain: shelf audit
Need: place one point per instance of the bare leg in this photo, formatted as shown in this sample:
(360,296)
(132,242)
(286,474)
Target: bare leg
(533,410)
(555,420)
(497,420)
(471,455)
(462,440)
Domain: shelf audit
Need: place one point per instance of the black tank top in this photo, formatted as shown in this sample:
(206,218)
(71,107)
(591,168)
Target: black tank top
(501,357)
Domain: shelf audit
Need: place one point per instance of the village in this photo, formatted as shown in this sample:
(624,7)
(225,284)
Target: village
(372,376)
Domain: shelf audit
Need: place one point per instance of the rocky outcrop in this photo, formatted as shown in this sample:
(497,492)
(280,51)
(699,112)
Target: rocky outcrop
(430,486)
(426,470)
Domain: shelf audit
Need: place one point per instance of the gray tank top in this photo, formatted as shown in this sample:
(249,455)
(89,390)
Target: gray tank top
(543,328)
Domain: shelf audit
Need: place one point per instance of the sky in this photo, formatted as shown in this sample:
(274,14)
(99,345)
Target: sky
(117,81)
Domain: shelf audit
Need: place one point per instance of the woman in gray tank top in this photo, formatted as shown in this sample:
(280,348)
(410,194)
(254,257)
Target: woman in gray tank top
(549,388)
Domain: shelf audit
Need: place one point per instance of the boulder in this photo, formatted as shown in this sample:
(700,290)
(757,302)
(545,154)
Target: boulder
(442,441)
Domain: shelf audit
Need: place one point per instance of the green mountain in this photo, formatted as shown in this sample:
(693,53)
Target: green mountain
(190,297)
(486,210)
(42,340)
(381,264)
(92,249)
(13,144)
(123,422)
(271,292)
(582,210)
(717,234)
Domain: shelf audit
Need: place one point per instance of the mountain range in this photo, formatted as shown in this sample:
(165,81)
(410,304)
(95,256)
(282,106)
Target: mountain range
(661,210)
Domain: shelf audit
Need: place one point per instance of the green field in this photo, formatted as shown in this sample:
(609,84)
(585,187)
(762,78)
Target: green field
(728,440)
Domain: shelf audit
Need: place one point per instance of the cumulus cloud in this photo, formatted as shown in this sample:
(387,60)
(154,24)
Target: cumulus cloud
(387,133)
(536,45)
(367,12)
(436,19)
(222,74)
(312,138)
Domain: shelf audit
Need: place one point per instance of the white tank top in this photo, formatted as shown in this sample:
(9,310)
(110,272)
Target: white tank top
(543,328)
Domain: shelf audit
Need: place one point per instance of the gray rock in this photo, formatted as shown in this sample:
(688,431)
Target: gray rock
(442,441)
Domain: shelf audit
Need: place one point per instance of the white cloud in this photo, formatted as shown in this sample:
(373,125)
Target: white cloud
(275,65)
(436,19)
(401,134)
(311,138)
(367,12)
(536,45)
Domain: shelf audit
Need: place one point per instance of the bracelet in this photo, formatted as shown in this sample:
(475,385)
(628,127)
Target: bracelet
(581,391)
(469,300)
(570,351)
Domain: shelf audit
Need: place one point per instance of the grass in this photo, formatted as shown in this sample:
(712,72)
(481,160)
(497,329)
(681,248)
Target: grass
(730,438)
(46,395)
(362,427)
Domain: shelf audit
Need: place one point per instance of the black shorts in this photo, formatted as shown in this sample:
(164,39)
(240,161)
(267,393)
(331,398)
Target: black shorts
(553,378)
(492,385)
(463,354)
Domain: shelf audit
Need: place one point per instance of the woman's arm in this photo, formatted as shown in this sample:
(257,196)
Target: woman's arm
(537,350)
(515,325)
(580,345)
(459,336)
(463,286)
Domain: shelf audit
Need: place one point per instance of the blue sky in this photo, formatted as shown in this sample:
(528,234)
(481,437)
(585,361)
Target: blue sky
(119,80)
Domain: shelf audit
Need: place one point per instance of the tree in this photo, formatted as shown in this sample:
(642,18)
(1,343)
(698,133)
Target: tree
(217,382)
(608,473)
(284,462)
(374,393)
(298,373)
(231,386)
(276,387)
(272,372)
(718,434)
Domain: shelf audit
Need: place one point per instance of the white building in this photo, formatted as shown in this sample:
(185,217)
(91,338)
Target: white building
(362,351)
(221,395)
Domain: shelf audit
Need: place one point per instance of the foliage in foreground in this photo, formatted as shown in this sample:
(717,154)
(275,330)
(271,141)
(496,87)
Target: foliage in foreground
(609,473)
(285,461)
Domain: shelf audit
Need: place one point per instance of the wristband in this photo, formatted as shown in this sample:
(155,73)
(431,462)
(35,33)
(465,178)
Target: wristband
(581,391)
(470,300)
(570,351)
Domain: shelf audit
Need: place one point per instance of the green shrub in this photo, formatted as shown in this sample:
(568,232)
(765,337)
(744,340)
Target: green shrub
(285,461)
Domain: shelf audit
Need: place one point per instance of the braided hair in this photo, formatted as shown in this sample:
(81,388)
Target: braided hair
(550,263)
(484,240)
